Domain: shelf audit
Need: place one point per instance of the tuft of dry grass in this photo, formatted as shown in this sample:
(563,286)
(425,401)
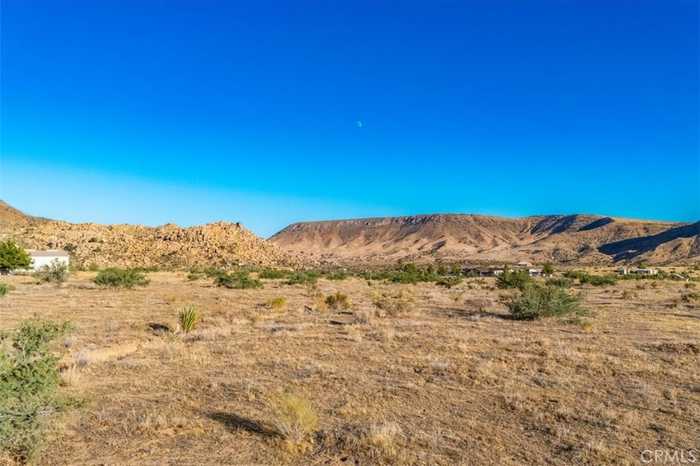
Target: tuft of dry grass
(337,301)
(295,420)
(276,304)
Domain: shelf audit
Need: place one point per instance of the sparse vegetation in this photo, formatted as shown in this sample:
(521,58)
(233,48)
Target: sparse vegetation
(237,280)
(4,289)
(28,380)
(295,420)
(393,304)
(120,278)
(13,257)
(55,272)
(273,274)
(303,278)
(448,281)
(590,279)
(561,282)
(188,318)
(337,301)
(537,301)
(276,304)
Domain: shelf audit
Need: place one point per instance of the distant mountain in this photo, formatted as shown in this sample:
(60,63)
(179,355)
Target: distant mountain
(215,244)
(579,239)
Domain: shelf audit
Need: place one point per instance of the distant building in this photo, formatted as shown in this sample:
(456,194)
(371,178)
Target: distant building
(534,272)
(44,258)
(647,271)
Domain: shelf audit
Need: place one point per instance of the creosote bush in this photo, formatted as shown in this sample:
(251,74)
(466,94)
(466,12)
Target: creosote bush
(337,301)
(28,379)
(273,274)
(513,279)
(188,318)
(303,278)
(55,272)
(13,256)
(121,278)
(537,301)
(238,281)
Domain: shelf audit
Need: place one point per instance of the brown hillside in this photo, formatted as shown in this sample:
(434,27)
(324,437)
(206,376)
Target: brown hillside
(215,244)
(585,239)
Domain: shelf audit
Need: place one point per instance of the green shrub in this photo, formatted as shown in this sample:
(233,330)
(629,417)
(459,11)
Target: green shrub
(121,278)
(237,280)
(273,274)
(594,280)
(28,380)
(448,281)
(513,279)
(55,272)
(338,275)
(188,318)
(561,282)
(276,304)
(337,300)
(4,289)
(303,278)
(13,256)
(547,269)
(536,301)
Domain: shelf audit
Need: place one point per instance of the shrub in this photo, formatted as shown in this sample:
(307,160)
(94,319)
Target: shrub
(4,289)
(561,282)
(55,272)
(449,281)
(547,269)
(513,279)
(121,278)
(395,304)
(28,380)
(294,418)
(13,256)
(594,280)
(276,304)
(273,274)
(536,301)
(337,301)
(188,318)
(303,278)
(238,281)
(338,275)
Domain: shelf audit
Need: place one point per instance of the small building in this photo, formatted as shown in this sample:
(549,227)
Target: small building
(534,272)
(647,271)
(45,258)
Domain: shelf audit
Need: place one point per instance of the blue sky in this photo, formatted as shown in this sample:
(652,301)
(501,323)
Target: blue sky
(189,112)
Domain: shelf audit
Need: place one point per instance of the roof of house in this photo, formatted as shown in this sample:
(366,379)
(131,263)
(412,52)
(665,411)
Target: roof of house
(49,253)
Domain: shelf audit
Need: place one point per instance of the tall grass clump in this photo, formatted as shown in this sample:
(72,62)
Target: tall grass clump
(4,289)
(536,301)
(121,278)
(294,419)
(29,378)
(237,280)
(55,272)
(188,318)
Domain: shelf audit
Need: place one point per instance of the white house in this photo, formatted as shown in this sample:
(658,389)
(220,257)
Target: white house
(44,258)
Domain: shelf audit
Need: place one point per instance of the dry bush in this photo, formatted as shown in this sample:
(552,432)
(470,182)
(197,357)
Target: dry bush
(337,301)
(381,440)
(71,376)
(295,420)
(276,304)
(393,304)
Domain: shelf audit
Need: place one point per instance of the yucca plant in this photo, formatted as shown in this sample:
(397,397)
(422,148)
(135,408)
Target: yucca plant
(188,318)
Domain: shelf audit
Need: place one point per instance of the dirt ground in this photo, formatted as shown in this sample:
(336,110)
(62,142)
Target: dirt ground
(447,380)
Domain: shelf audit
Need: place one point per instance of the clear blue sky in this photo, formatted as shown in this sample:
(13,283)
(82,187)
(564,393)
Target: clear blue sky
(273,112)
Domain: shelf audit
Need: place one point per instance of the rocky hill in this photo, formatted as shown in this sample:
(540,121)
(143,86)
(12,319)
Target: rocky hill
(580,239)
(215,244)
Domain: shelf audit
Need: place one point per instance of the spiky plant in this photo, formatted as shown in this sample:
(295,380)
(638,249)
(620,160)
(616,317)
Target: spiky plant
(188,318)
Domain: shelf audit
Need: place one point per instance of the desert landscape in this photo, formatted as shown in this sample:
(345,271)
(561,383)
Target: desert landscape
(282,362)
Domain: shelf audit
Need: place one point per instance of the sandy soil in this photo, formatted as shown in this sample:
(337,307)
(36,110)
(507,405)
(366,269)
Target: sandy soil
(447,380)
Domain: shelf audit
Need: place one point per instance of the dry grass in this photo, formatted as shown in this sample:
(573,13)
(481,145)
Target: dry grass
(412,374)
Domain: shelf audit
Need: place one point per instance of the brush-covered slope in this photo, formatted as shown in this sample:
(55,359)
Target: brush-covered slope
(215,244)
(586,239)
